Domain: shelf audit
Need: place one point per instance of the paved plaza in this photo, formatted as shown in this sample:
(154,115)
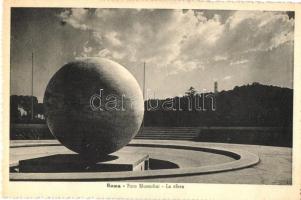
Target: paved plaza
(187,161)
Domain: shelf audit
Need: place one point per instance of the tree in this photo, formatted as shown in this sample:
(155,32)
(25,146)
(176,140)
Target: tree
(191,91)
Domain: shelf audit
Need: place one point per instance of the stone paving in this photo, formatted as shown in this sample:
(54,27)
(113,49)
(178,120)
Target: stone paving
(274,166)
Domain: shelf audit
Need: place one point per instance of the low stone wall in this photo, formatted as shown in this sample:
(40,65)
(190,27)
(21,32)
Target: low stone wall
(273,136)
(30,132)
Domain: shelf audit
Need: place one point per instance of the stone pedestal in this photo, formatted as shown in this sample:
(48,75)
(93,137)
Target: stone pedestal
(75,163)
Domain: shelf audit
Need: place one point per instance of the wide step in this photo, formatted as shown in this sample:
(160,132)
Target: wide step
(168,133)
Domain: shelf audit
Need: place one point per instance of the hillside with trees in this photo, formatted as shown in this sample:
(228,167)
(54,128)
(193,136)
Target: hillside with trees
(248,105)
(21,109)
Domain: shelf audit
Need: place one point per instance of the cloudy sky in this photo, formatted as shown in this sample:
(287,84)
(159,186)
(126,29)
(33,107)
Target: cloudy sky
(181,48)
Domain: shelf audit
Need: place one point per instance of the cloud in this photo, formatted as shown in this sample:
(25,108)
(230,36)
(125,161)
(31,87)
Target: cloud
(227,77)
(256,31)
(238,62)
(155,36)
(220,58)
(185,41)
(75,17)
(181,48)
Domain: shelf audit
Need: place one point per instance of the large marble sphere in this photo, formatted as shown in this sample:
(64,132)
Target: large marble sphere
(93,106)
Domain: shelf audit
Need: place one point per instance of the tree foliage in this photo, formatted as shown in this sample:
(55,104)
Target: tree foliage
(249,105)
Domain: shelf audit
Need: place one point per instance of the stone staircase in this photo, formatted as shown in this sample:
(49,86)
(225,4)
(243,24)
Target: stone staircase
(168,133)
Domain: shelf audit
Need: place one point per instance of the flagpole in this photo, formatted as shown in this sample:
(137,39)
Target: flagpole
(144,97)
(32,115)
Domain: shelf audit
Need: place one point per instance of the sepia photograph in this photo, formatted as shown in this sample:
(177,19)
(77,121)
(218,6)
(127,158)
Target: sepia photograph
(151,98)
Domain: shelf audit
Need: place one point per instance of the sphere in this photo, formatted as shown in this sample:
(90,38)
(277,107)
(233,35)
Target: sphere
(93,106)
